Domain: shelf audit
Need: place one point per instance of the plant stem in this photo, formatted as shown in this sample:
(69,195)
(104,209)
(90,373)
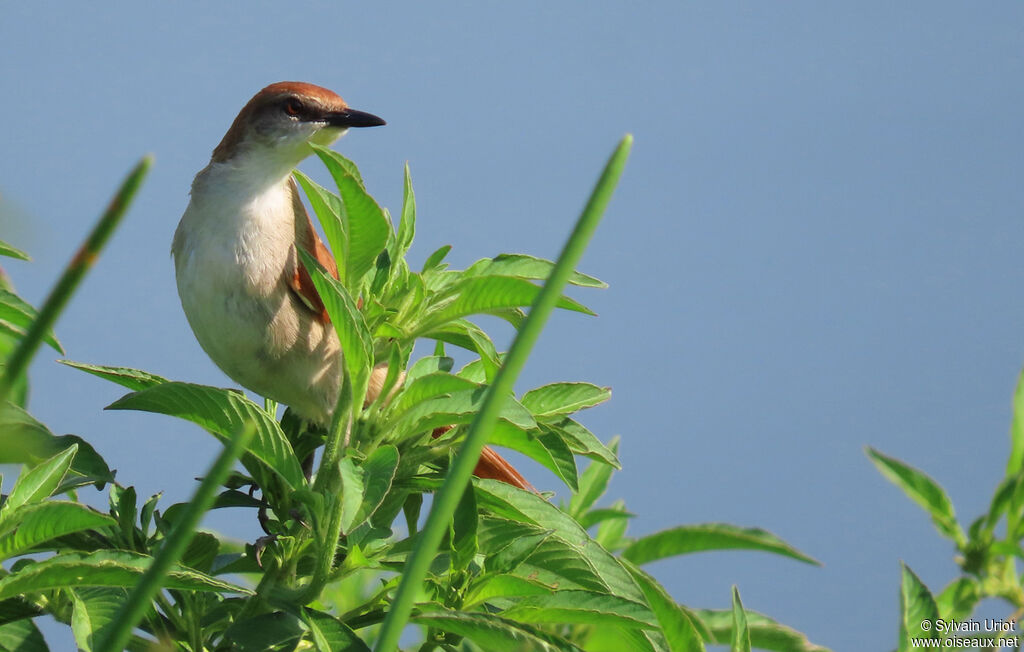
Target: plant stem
(72,276)
(461,470)
(175,544)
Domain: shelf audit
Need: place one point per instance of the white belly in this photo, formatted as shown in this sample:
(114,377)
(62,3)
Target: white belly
(232,264)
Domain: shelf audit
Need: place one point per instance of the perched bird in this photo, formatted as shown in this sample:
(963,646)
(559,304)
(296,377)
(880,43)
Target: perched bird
(246,295)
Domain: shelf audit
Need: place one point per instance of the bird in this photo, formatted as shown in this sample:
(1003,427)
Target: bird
(247,297)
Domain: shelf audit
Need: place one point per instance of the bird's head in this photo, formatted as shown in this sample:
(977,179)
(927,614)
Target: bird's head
(278,124)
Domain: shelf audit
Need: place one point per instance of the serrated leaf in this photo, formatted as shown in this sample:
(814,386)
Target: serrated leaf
(13,252)
(593,484)
(740,641)
(38,483)
(379,471)
(27,441)
(687,539)
(515,504)
(564,398)
(22,636)
(463,531)
(494,633)
(434,259)
(328,209)
(765,633)
(455,408)
(485,295)
(595,516)
(407,227)
(94,609)
(958,599)
(581,607)
(330,634)
(611,533)
(41,522)
(922,490)
(502,585)
(133,379)
(430,385)
(221,412)
(366,226)
(581,441)
(352,488)
(543,446)
(676,626)
(916,607)
(268,631)
(428,365)
(18,313)
(103,568)
(348,322)
(527,267)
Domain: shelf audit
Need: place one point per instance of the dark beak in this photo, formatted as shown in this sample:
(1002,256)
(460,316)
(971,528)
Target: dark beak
(353,118)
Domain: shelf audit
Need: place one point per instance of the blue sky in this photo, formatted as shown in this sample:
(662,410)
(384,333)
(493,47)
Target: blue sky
(815,246)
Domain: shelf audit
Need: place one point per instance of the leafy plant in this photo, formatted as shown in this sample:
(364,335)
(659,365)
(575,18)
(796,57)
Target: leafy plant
(987,554)
(344,562)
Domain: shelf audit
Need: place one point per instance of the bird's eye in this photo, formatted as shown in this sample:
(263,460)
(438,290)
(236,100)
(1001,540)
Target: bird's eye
(293,107)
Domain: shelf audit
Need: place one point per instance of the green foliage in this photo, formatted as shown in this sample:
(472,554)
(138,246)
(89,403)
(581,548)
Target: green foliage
(502,568)
(987,553)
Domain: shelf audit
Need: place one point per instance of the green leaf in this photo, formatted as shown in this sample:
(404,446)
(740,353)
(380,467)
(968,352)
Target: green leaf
(687,539)
(958,599)
(428,365)
(506,543)
(407,227)
(1016,462)
(94,611)
(364,220)
(38,483)
(38,523)
(545,447)
(103,568)
(494,633)
(676,626)
(922,490)
(22,636)
(427,386)
(17,608)
(133,379)
(485,295)
(595,516)
(330,634)
(221,412)
(455,408)
(515,504)
(353,334)
(740,635)
(16,312)
(916,606)
(27,441)
(502,585)
(765,633)
(12,252)
(581,441)
(581,607)
(464,531)
(328,209)
(611,533)
(269,631)
(352,488)
(434,259)
(564,398)
(527,267)
(379,471)
(593,484)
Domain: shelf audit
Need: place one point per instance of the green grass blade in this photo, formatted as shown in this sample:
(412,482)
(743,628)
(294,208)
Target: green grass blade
(175,544)
(461,469)
(72,276)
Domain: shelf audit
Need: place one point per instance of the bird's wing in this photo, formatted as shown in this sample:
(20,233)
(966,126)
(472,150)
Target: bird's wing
(307,238)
